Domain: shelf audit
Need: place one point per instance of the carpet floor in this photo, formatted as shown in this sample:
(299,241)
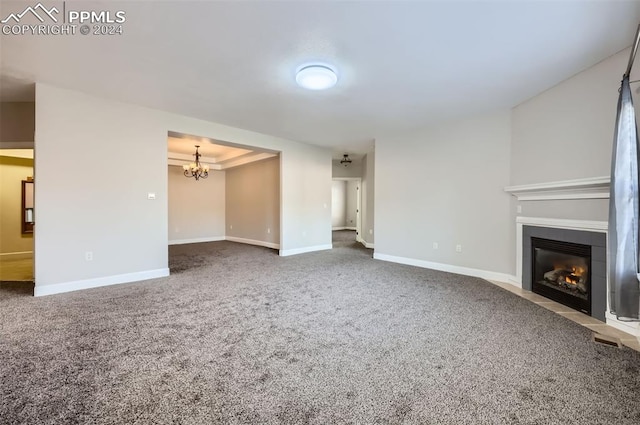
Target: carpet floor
(239,335)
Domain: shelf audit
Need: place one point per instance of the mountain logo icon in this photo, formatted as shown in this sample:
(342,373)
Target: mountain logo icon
(38,11)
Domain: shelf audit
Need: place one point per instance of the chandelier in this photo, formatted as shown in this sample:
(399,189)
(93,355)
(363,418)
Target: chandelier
(345,160)
(195,169)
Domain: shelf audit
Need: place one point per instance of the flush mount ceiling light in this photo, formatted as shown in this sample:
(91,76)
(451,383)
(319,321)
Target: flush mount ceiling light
(345,160)
(316,77)
(196,169)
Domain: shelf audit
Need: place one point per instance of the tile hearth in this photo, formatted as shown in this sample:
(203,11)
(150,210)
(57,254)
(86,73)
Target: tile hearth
(589,322)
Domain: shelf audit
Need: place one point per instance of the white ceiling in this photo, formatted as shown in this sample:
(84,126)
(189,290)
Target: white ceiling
(402,65)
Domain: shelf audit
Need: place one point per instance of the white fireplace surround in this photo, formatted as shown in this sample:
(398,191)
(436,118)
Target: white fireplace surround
(592,188)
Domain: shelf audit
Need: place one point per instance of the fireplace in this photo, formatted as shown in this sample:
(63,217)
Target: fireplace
(574,262)
(561,271)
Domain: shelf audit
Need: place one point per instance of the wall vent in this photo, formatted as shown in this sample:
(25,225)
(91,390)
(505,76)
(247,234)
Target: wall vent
(607,340)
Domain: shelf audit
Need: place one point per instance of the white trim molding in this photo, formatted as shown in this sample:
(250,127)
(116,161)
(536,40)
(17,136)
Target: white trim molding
(589,188)
(295,251)
(9,256)
(363,242)
(632,328)
(557,223)
(560,223)
(59,288)
(467,271)
(253,242)
(196,240)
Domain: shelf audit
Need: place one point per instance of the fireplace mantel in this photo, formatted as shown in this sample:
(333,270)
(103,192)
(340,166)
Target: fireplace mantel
(589,188)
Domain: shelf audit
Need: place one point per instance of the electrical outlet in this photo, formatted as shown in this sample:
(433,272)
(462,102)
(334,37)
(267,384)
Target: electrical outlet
(268,230)
(458,248)
(371,231)
(88,256)
(435,245)
(231,227)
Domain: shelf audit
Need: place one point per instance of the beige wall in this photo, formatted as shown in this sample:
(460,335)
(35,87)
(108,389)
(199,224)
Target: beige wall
(445,185)
(196,208)
(12,172)
(17,122)
(109,214)
(253,201)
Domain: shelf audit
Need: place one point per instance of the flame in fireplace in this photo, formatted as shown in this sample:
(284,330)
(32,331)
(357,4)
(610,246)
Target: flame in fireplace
(573,274)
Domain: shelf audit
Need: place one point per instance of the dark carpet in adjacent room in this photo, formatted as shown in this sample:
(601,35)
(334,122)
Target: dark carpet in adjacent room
(238,334)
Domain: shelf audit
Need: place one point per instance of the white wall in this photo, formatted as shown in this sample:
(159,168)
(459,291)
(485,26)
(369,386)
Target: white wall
(339,204)
(352,204)
(106,210)
(196,208)
(566,133)
(445,185)
(368,199)
(253,203)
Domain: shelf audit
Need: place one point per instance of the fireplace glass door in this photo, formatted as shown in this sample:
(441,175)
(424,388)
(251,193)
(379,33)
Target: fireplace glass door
(561,272)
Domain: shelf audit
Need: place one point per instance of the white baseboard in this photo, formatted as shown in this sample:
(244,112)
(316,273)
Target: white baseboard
(58,288)
(467,271)
(365,243)
(513,280)
(196,240)
(295,251)
(23,255)
(350,228)
(632,328)
(338,228)
(254,242)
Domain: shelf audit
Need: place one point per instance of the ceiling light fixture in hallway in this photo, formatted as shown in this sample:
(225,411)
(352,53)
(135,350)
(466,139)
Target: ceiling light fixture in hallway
(345,160)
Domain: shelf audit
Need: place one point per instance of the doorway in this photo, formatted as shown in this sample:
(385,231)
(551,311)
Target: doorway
(346,209)
(237,188)
(17,218)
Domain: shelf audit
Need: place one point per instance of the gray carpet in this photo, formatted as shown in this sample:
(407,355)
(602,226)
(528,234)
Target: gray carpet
(239,335)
